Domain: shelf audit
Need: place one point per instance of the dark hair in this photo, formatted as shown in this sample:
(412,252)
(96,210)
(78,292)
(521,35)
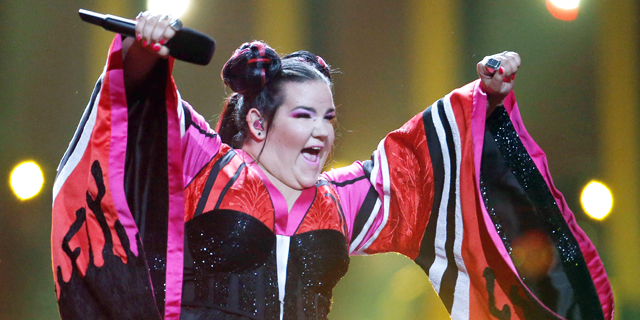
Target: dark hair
(256,73)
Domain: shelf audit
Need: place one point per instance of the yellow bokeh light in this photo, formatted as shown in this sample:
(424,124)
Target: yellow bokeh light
(596,200)
(566,4)
(26,180)
(176,8)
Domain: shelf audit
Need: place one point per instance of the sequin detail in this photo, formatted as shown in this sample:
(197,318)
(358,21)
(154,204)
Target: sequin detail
(317,261)
(230,265)
(230,268)
(552,221)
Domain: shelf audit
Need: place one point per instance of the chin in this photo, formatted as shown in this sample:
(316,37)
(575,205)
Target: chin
(308,183)
(308,180)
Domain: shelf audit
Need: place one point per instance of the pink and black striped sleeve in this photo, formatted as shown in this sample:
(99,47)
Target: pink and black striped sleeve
(199,142)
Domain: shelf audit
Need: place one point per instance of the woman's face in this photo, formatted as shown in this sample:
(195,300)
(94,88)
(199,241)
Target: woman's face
(301,135)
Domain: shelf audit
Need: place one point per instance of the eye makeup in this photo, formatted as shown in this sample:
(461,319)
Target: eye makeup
(303,112)
(330,115)
(308,113)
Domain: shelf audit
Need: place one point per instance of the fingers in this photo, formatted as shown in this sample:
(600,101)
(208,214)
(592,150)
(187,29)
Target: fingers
(141,20)
(497,81)
(167,34)
(153,31)
(509,64)
(157,35)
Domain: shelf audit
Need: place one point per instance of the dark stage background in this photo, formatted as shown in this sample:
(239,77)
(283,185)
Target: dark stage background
(577,90)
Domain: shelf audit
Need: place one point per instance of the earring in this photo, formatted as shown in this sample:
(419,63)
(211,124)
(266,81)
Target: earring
(258,124)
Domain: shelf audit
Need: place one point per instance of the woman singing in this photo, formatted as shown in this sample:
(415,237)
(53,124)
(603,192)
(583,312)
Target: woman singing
(156,215)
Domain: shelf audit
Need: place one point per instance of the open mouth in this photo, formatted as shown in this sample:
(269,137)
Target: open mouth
(311,154)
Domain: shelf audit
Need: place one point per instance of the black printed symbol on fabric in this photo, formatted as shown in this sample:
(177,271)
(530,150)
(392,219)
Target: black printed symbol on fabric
(115,290)
(505,313)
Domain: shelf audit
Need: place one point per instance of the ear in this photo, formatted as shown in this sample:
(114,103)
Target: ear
(257,127)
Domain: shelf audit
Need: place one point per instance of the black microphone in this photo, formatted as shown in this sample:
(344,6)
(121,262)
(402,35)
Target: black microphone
(187,45)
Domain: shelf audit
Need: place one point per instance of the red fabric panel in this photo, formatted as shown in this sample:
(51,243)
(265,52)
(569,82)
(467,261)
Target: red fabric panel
(411,175)
(324,213)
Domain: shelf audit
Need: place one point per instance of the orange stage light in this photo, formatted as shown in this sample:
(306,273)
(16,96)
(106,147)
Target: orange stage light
(563,9)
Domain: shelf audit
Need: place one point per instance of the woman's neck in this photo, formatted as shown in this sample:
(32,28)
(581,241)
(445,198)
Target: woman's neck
(290,194)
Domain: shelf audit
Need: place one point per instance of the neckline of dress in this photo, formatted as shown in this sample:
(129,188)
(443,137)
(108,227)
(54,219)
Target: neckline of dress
(286,222)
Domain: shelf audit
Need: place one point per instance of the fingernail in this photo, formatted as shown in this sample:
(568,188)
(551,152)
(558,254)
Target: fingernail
(161,41)
(138,37)
(513,77)
(144,44)
(507,79)
(156,47)
(501,70)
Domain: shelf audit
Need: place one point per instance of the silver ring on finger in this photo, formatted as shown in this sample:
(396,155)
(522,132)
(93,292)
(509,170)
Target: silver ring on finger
(493,64)
(176,24)
(165,17)
(139,15)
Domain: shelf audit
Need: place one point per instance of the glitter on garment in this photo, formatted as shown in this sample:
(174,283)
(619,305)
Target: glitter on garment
(230,267)
(545,214)
(317,261)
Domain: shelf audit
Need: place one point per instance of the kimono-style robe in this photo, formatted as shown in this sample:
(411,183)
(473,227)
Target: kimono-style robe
(153,216)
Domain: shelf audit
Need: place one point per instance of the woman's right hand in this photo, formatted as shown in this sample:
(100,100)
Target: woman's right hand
(142,53)
(153,31)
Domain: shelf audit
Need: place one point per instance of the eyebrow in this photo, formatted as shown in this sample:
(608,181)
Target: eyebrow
(305,108)
(313,110)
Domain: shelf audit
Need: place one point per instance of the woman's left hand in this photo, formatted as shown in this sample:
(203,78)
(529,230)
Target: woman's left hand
(498,83)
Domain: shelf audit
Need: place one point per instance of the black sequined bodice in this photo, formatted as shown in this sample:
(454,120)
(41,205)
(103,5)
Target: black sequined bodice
(231,271)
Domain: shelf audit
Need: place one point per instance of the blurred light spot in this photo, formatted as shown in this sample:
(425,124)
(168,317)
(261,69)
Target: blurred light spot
(563,9)
(566,4)
(176,8)
(596,200)
(533,254)
(26,180)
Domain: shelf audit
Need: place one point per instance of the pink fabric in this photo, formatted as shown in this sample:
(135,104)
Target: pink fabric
(118,147)
(298,211)
(286,222)
(594,264)
(197,148)
(380,214)
(591,257)
(277,199)
(352,195)
(175,232)
(478,119)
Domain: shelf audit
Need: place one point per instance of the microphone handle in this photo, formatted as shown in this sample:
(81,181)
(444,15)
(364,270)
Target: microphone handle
(119,25)
(187,44)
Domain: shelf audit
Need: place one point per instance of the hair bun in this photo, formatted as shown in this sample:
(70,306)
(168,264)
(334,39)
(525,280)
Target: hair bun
(316,61)
(251,67)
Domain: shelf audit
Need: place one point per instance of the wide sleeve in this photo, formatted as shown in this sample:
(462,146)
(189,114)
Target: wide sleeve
(118,199)
(381,197)
(470,199)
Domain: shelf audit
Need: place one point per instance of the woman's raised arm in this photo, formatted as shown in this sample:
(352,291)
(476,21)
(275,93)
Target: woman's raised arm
(464,191)
(141,54)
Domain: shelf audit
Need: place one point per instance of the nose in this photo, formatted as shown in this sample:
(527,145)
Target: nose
(322,129)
